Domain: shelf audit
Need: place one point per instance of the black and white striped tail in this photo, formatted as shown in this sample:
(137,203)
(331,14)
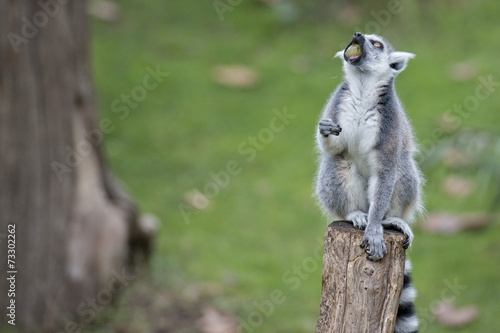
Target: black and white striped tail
(406,320)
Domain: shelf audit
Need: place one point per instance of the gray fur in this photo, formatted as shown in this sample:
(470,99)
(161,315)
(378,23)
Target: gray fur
(367,173)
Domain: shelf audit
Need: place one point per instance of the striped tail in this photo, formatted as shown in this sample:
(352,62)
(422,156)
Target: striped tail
(406,320)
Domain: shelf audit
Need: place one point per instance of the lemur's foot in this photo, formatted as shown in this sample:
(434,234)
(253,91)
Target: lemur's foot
(327,127)
(358,218)
(399,224)
(374,238)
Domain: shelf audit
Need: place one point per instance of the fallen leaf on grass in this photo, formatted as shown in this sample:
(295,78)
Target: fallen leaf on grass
(448,223)
(462,71)
(213,321)
(196,199)
(236,76)
(455,158)
(448,315)
(458,187)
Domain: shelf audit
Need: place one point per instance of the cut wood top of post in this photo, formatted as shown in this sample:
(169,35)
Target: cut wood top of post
(345,226)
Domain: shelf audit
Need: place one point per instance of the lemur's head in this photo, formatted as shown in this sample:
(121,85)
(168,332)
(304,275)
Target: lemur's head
(374,55)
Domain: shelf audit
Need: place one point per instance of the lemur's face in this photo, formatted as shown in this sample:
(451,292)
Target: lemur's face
(373,54)
(366,50)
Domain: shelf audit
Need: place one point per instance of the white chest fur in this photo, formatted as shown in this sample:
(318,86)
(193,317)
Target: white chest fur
(360,122)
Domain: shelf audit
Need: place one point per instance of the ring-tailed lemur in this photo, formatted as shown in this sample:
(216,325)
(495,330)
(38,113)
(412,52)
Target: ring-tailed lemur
(367,173)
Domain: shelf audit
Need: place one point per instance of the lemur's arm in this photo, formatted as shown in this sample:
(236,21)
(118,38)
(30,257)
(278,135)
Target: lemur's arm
(328,128)
(381,186)
(327,136)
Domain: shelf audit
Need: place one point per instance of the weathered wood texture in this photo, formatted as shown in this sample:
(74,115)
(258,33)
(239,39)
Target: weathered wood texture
(359,295)
(76,229)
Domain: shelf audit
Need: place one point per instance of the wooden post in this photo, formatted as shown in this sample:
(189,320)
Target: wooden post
(359,295)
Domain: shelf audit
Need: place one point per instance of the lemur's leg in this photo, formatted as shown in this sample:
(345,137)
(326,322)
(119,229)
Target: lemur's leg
(393,219)
(380,189)
(403,204)
(340,189)
(330,190)
(399,224)
(407,189)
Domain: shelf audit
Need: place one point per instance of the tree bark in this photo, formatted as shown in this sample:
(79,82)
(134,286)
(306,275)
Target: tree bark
(75,228)
(359,295)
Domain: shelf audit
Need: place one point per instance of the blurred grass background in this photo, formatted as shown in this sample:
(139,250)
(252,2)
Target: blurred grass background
(253,235)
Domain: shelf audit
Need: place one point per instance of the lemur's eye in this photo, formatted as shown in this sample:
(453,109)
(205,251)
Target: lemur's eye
(377,44)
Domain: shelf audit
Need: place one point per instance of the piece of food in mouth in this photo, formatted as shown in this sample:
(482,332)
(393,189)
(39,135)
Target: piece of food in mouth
(353,51)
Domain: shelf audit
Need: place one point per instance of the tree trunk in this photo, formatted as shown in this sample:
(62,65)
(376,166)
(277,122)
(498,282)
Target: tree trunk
(75,229)
(359,295)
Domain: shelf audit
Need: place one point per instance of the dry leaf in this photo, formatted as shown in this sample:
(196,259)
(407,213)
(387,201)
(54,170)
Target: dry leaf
(458,187)
(195,292)
(196,199)
(450,316)
(447,223)
(457,158)
(237,76)
(214,322)
(108,11)
(213,289)
(463,71)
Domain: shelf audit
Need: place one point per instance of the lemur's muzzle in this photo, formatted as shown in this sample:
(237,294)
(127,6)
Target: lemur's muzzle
(353,51)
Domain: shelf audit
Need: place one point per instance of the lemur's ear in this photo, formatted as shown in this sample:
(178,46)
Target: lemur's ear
(399,60)
(339,54)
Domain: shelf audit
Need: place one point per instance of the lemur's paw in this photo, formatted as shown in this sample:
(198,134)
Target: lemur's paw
(327,127)
(400,225)
(358,218)
(374,238)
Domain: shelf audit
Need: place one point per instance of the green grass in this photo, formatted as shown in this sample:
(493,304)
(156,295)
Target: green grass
(265,223)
